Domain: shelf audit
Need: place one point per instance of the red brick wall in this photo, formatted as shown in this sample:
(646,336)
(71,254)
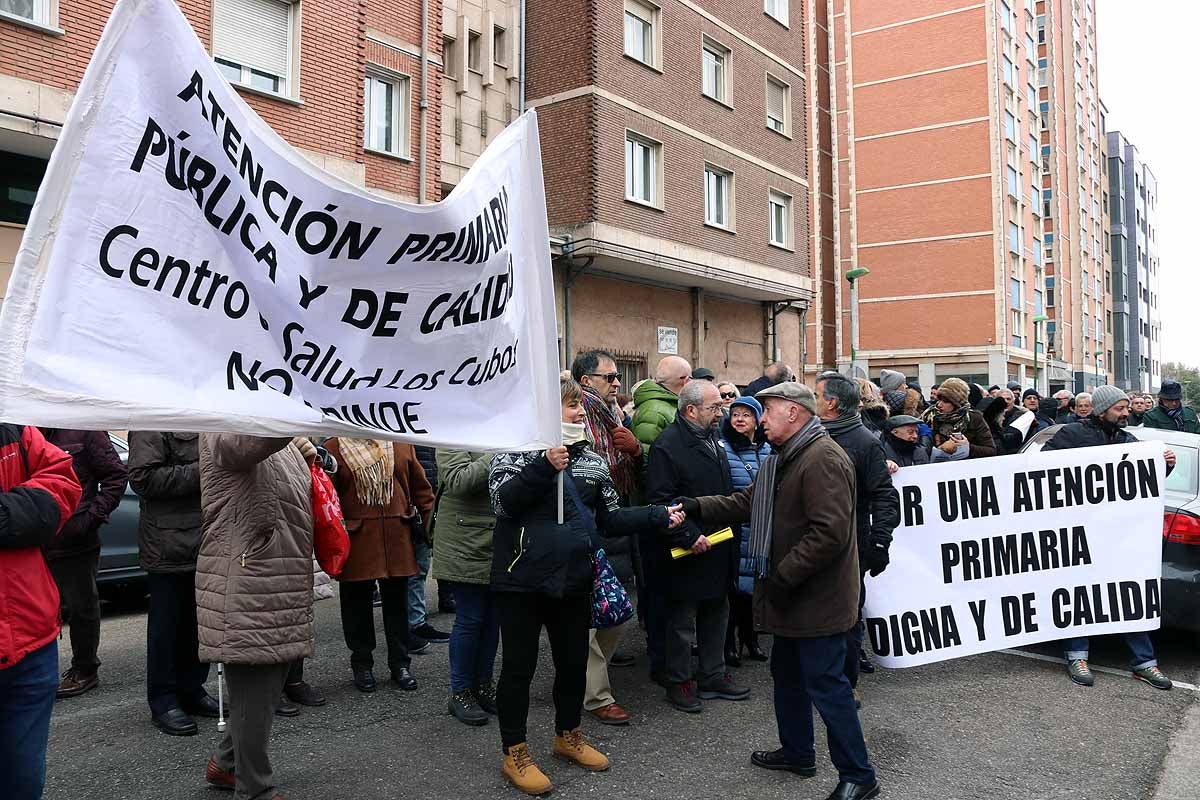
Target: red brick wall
(568,162)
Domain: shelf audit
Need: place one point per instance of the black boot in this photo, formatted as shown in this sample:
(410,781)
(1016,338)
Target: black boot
(753,651)
(732,658)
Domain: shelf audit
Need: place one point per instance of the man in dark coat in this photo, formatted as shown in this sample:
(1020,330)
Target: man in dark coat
(774,374)
(1106,425)
(902,443)
(878,503)
(74,555)
(803,537)
(164,469)
(1171,414)
(688,460)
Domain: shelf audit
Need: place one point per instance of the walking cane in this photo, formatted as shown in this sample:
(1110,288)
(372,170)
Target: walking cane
(220,697)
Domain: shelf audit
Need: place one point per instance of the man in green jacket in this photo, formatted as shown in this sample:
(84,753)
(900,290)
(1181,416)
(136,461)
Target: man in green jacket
(655,403)
(1170,413)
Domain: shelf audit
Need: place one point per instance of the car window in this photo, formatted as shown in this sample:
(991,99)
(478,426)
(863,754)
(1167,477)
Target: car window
(1183,478)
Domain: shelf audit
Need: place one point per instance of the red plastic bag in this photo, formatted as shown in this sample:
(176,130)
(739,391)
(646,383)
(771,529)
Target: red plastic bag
(331,543)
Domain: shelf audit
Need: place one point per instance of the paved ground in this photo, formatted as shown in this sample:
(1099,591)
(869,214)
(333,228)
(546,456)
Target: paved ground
(993,726)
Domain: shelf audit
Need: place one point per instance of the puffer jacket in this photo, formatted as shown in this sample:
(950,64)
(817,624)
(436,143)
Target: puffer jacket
(532,552)
(164,470)
(744,458)
(254,576)
(462,545)
(102,478)
(427,456)
(38,493)
(654,409)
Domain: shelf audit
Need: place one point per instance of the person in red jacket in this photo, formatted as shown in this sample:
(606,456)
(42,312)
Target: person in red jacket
(38,493)
(74,555)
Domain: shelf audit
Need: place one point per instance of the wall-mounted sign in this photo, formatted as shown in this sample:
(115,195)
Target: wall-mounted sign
(668,340)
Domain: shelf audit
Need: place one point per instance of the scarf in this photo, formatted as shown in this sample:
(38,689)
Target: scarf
(762,507)
(707,437)
(601,421)
(944,425)
(372,464)
(1176,415)
(845,421)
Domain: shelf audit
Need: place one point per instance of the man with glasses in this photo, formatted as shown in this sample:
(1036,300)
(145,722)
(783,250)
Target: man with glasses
(596,371)
(688,460)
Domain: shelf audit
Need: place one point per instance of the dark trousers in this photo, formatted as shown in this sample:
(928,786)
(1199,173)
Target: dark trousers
(26,699)
(854,636)
(701,621)
(80,602)
(474,637)
(254,690)
(358,621)
(810,673)
(174,674)
(567,621)
(652,603)
(741,621)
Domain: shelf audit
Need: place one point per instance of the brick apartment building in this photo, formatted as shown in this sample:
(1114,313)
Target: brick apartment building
(340,80)
(677,155)
(968,180)
(1133,214)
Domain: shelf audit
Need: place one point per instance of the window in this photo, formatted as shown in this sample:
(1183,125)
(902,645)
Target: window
(499,46)
(1014,293)
(1030,49)
(1044,114)
(717,187)
(449,51)
(20,177)
(385,115)
(1017,339)
(1047,202)
(642,158)
(1006,18)
(1013,184)
(1014,238)
(1050,300)
(1038,307)
(1037,252)
(641,32)
(252,43)
(1031,97)
(779,106)
(1008,72)
(1033,151)
(777,10)
(473,51)
(715,69)
(779,207)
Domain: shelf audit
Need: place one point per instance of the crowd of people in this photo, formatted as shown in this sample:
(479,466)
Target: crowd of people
(727,513)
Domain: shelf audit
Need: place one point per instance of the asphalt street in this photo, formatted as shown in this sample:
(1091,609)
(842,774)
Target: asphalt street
(993,726)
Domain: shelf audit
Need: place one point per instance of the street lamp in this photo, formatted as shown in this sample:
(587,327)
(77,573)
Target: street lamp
(852,276)
(1036,345)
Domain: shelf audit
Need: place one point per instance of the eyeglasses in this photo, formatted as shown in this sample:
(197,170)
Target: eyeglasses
(608,376)
(728,395)
(716,407)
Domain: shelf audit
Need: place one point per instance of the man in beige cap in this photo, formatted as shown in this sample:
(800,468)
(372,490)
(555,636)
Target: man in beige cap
(803,545)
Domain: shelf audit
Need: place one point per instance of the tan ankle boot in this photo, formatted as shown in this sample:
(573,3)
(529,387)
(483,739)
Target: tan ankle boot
(573,746)
(523,773)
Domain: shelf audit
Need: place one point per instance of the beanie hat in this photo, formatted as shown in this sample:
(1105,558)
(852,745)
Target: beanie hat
(954,390)
(1105,397)
(749,402)
(1013,386)
(895,399)
(1029,393)
(890,380)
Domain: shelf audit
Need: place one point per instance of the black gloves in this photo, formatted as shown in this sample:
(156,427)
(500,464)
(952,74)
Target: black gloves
(691,507)
(875,558)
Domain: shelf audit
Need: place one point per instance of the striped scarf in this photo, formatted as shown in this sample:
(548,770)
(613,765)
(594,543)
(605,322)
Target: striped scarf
(600,422)
(372,463)
(762,507)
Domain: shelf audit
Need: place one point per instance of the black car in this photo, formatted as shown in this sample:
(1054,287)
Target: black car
(1181,524)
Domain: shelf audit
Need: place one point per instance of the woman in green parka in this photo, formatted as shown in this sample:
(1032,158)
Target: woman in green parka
(462,560)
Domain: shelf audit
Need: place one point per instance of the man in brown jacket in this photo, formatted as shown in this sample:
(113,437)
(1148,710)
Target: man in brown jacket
(254,584)
(803,545)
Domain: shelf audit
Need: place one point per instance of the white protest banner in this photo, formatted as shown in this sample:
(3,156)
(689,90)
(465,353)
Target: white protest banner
(1009,551)
(186,269)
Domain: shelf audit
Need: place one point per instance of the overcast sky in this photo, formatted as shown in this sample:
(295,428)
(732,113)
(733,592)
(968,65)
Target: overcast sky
(1146,51)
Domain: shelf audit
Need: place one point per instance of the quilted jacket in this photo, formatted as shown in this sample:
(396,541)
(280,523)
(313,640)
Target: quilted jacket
(254,575)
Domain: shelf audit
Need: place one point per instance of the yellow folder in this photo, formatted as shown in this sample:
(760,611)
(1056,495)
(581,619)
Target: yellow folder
(723,535)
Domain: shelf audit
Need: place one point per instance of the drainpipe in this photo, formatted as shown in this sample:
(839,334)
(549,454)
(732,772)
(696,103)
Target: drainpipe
(521,67)
(424,104)
(803,340)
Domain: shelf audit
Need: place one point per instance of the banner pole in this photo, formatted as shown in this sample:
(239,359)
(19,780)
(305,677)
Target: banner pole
(560,496)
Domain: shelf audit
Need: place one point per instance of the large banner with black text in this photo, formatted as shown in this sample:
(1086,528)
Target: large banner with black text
(1002,552)
(186,269)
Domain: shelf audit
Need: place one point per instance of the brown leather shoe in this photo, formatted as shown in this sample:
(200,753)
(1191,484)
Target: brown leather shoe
(219,778)
(611,714)
(73,684)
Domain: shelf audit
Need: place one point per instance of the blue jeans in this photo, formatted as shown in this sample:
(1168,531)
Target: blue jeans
(1140,646)
(26,699)
(812,672)
(416,585)
(474,637)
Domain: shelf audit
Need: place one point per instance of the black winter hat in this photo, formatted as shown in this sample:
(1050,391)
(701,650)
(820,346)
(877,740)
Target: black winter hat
(1171,390)
(1033,392)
